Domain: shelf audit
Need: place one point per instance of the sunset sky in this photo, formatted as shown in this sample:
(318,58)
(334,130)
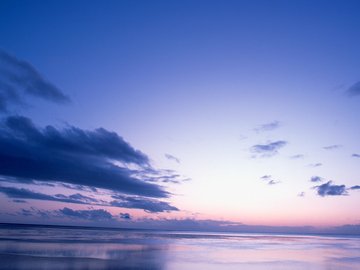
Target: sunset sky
(227,113)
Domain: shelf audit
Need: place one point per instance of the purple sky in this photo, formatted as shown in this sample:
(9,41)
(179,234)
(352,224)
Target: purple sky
(129,113)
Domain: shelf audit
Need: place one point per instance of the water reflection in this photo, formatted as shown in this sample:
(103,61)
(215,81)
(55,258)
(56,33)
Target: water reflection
(68,248)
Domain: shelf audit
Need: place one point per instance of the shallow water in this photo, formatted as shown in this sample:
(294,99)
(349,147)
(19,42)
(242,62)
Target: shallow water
(37,247)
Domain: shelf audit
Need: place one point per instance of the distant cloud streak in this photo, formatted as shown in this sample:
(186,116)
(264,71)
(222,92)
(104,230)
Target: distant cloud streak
(314,165)
(332,147)
(18,77)
(173,158)
(269,149)
(148,205)
(268,126)
(22,193)
(298,156)
(354,90)
(92,215)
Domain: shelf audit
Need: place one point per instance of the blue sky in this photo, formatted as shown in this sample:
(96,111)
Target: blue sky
(226,110)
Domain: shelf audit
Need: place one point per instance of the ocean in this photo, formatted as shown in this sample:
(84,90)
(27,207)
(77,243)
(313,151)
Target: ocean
(57,247)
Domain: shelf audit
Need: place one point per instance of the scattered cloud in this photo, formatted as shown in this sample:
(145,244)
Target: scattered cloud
(328,189)
(332,147)
(265,177)
(269,149)
(355,187)
(314,165)
(301,194)
(316,179)
(268,126)
(354,90)
(102,217)
(148,205)
(97,159)
(269,180)
(34,212)
(171,157)
(273,182)
(93,214)
(356,155)
(71,157)
(125,216)
(18,77)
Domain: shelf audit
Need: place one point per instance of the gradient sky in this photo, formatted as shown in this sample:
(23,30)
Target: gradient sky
(230,111)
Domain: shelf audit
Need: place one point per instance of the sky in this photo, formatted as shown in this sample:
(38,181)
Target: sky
(169,113)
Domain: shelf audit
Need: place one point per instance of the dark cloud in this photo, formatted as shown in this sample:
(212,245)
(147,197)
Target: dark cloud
(171,157)
(22,193)
(355,187)
(332,147)
(266,150)
(268,126)
(316,179)
(93,215)
(265,177)
(18,77)
(329,189)
(148,205)
(354,90)
(356,155)
(72,156)
(125,216)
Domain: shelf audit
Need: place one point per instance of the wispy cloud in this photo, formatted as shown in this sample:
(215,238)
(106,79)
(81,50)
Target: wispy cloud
(316,179)
(265,177)
(298,156)
(332,147)
(22,193)
(354,90)
(301,194)
(273,182)
(268,126)
(148,205)
(18,77)
(356,155)
(314,165)
(269,149)
(173,158)
(269,179)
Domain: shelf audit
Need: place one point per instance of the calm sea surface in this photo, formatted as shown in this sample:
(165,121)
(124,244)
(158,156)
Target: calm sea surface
(36,247)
